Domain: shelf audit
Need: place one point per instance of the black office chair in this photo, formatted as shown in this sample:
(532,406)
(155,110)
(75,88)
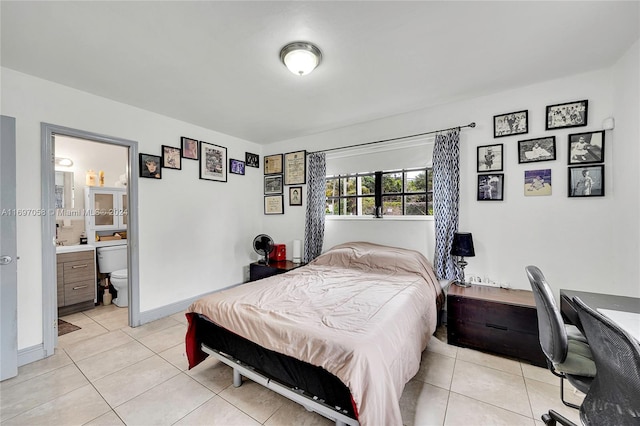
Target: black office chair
(567,358)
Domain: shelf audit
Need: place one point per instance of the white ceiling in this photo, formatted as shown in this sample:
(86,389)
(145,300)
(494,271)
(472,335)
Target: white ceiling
(215,64)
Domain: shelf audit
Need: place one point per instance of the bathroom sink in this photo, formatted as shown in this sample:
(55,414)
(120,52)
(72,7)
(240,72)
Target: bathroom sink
(74,248)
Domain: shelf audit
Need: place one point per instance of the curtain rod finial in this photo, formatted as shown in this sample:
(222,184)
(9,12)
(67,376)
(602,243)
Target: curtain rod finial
(472,124)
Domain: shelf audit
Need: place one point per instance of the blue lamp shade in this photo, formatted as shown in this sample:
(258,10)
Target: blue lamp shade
(462,245)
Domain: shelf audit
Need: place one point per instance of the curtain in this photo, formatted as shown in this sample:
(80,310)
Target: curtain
(316,203)
(446,197)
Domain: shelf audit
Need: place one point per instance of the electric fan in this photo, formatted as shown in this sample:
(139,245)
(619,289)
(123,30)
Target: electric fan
(263,245)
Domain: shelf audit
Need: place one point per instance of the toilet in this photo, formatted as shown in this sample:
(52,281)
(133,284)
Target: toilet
(112,260)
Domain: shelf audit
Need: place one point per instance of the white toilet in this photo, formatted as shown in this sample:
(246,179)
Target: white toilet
(112,260)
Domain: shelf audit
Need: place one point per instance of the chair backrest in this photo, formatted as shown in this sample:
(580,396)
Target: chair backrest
(614,396)
(551,329)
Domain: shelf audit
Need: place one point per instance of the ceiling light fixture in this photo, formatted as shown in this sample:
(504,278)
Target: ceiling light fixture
(64,162)
(301,57)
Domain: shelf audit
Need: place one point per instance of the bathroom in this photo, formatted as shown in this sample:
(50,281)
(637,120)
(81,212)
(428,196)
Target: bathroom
(91,224)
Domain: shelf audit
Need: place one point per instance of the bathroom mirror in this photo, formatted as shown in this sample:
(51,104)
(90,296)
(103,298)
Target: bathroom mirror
(64,190)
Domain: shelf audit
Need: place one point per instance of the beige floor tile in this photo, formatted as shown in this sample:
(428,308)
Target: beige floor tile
(100,310)
(443,348)
(29,371)
(488,360)
(40,390)
(540,374)
(180,317)
(544,396)
(213,374)
(177,356)
(165,339)
(423,404)
(109,314)
(87,331)
(254,399)
(110,418)
(79,319)
(105,363)
(102,344)
(492,386)
(464,411)
(155,408)
(436,369)
(114,320)
(73,408)
(217,411)
(294,414)
(150,328)
(123,385)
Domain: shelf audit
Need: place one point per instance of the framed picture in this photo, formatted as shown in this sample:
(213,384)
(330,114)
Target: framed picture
(252,160)
(213,162)
(540,149)
(586,148)
(295,168)
(273,164)
(189,148)
(274,204)
(570,114)
(490,158)
(586,181)
(513,123)
(150,166)
(273,184)
(171,157)
(295,196)
(491,187)
(236,166)
(537,182)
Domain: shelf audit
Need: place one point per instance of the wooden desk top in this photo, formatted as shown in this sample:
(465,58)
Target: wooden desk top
(494,294)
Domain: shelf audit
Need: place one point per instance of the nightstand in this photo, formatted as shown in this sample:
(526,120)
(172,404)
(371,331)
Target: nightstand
(258,270)
(495,320)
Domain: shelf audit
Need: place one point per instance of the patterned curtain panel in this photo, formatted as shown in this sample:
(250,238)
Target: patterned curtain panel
(446,197)
(316,203)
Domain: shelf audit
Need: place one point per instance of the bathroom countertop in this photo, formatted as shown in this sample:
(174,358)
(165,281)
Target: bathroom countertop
(74,248)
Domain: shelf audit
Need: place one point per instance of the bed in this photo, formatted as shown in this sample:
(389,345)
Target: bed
(345,332)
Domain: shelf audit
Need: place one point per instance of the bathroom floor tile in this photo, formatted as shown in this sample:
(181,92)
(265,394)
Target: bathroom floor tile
(254,399)
(103,343)
(423,404)
(464,411)
(79,319)
(86,332)
(217,411)
(105,363)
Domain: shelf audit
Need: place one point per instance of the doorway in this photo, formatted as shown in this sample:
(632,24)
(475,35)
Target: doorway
(51,198)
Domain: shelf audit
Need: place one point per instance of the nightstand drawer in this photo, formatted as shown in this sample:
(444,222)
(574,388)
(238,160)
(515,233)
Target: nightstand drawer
(497,315)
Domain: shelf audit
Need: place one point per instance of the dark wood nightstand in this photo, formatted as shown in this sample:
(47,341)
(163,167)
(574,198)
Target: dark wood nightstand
(258,270)
(495,320)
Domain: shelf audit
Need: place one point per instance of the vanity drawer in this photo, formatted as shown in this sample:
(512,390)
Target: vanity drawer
(80,291)
(78,271)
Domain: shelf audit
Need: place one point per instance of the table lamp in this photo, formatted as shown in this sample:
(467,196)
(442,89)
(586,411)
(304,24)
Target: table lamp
(462,247)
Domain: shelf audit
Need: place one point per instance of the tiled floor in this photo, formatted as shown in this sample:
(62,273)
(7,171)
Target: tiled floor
(110,374)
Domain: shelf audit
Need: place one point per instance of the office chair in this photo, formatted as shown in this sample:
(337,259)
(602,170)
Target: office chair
(567,358)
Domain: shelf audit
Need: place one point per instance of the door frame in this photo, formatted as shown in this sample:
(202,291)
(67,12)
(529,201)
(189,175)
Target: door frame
(49,289)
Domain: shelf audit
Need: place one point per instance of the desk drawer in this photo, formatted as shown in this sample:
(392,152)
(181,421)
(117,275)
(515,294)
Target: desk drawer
(80,291)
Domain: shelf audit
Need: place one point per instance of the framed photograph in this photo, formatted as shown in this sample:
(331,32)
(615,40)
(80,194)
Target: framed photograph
(252,160)
(570,114)
(274,204)
(534,150)
(273,164)
(295,168)
(236,167)
(295,196)
(586,148)
(171,157)
(513,123)
(490,158)
(213,162)
(586,181)
(491,187)
(537,182)
(189,148)
(273,184)
(150,166)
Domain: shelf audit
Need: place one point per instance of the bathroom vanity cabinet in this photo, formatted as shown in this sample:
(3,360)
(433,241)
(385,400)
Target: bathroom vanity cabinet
(107,210)
(76,281)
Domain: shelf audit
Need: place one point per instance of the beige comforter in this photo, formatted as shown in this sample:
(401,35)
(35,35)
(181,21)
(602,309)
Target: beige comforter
(361,311)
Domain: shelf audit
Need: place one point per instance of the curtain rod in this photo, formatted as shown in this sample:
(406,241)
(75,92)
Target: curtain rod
(472,124)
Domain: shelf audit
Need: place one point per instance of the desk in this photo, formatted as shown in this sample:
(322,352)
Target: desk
(600,302)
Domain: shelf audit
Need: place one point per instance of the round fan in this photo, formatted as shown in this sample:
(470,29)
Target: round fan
(263,245)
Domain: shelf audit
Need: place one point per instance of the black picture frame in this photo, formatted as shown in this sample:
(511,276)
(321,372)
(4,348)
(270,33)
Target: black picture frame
(512,123)
(273,184)
(568,114)
(213,162)
(295,168)
(586,181)
(274,204)
(236,167)
(189,148)
(295,195)
(536,150)
(146,168)
(586,148)
(490,187)
(273,164)
(490,158)
(171,157)
(252,160)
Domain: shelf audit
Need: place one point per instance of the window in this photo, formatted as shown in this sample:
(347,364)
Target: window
(398,193)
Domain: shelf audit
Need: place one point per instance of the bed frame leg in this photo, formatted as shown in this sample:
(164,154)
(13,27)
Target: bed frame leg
(237,378)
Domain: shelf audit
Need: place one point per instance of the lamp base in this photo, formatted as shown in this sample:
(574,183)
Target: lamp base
(462,283)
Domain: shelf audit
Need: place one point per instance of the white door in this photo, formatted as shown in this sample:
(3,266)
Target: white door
(8,251)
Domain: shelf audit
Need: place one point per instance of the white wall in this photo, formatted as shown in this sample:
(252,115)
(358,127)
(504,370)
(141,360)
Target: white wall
(195,235)
(586,244)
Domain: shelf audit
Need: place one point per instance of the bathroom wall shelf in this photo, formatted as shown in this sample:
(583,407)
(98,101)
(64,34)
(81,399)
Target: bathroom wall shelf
(107,210)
